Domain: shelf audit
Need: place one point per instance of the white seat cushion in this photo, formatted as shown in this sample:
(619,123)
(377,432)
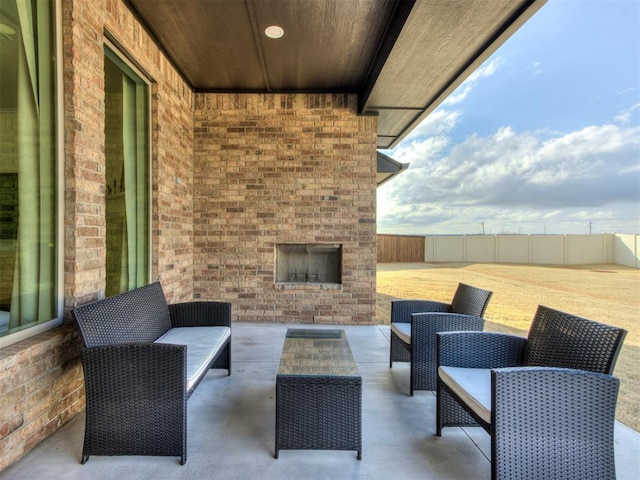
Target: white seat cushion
(202,344)
(472,385)
(403,331)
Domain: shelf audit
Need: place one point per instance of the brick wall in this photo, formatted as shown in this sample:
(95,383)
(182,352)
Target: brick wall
(250,172)
(41,384)
(283,168)
(40,390)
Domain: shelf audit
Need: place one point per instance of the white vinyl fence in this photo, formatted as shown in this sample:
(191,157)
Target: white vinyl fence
(534,249)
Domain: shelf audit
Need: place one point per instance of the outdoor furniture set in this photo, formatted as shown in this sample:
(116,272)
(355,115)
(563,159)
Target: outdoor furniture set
(547,401)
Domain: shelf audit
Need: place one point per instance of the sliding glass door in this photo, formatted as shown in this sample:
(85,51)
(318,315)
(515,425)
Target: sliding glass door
(127,176)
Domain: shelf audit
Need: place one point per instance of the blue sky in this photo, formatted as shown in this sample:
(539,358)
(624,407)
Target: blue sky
(543,138)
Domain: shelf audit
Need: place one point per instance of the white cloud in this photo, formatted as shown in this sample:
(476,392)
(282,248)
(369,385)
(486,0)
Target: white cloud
(536,68)
(626,116)
(484,71)
(439,122)
(509,178)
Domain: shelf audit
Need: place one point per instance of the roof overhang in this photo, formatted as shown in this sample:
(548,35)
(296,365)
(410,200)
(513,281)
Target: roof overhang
(388,168)
(401,57)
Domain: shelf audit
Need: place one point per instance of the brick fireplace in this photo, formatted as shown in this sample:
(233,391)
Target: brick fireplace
(285,173)
(308,263)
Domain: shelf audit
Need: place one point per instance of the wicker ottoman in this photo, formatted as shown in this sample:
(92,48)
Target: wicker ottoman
(318,393)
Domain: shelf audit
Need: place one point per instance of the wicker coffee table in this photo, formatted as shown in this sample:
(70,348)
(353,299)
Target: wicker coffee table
(318,393)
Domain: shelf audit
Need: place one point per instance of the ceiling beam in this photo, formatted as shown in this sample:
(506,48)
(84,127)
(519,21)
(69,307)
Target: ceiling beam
(401,11)
(258,43)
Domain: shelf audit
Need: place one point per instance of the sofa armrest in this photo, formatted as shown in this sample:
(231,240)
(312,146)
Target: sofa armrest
(136,400)
(200,314)
(572,410)
(401,310)
(122,371)
(479,349)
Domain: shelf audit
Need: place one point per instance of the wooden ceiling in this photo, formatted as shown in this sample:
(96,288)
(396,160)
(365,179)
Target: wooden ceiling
(401,57)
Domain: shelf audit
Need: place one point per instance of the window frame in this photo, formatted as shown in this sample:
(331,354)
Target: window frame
(31,331)
(121,53)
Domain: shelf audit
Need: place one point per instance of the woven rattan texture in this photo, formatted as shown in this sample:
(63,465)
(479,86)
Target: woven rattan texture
(401,310)
(547,422)
(400,351)
(141,408)
(136,389)
(318,413)
(140,315)
(480,349)
(558,339)
(318,393)
(424,327)
(571,439)
(470,302)
(200,314)
(454,413)
(471,350)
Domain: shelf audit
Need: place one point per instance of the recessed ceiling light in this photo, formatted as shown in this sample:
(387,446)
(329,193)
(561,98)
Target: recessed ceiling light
(274,31)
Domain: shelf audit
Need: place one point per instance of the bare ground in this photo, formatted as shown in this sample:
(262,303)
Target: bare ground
(606,293)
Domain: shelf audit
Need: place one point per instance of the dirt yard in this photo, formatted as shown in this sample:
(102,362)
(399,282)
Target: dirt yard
(605,293)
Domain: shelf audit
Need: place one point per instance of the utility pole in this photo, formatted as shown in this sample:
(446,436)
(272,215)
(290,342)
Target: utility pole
(482,223)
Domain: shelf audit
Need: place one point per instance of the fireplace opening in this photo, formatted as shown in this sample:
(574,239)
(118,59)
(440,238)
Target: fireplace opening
(309,263)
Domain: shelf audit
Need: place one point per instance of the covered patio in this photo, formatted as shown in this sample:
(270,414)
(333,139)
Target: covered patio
(250,147)
(231,427)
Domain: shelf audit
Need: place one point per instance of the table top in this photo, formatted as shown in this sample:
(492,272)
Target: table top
(321,352)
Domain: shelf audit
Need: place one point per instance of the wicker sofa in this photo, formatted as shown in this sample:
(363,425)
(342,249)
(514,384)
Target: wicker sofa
(548,400)
(142,360)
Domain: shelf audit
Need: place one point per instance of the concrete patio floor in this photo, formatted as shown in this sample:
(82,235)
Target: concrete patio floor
(231,428)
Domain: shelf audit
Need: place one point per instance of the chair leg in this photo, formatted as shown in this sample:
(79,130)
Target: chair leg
(411,377)
(438,408)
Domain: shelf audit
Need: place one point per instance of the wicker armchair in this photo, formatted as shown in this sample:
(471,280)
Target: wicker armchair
(548,400)
(414,324)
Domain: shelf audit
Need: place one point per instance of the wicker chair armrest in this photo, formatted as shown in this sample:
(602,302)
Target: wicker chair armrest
(433,322)
(401,310)
(572,410)
(200,314)
(121,373)
(479,349)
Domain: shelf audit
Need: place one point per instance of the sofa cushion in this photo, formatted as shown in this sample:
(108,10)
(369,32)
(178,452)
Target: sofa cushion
(403,331)
(472,385)
(203,343)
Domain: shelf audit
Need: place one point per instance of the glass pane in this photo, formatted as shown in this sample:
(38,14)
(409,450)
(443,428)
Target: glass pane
(127,177)
(28,208)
